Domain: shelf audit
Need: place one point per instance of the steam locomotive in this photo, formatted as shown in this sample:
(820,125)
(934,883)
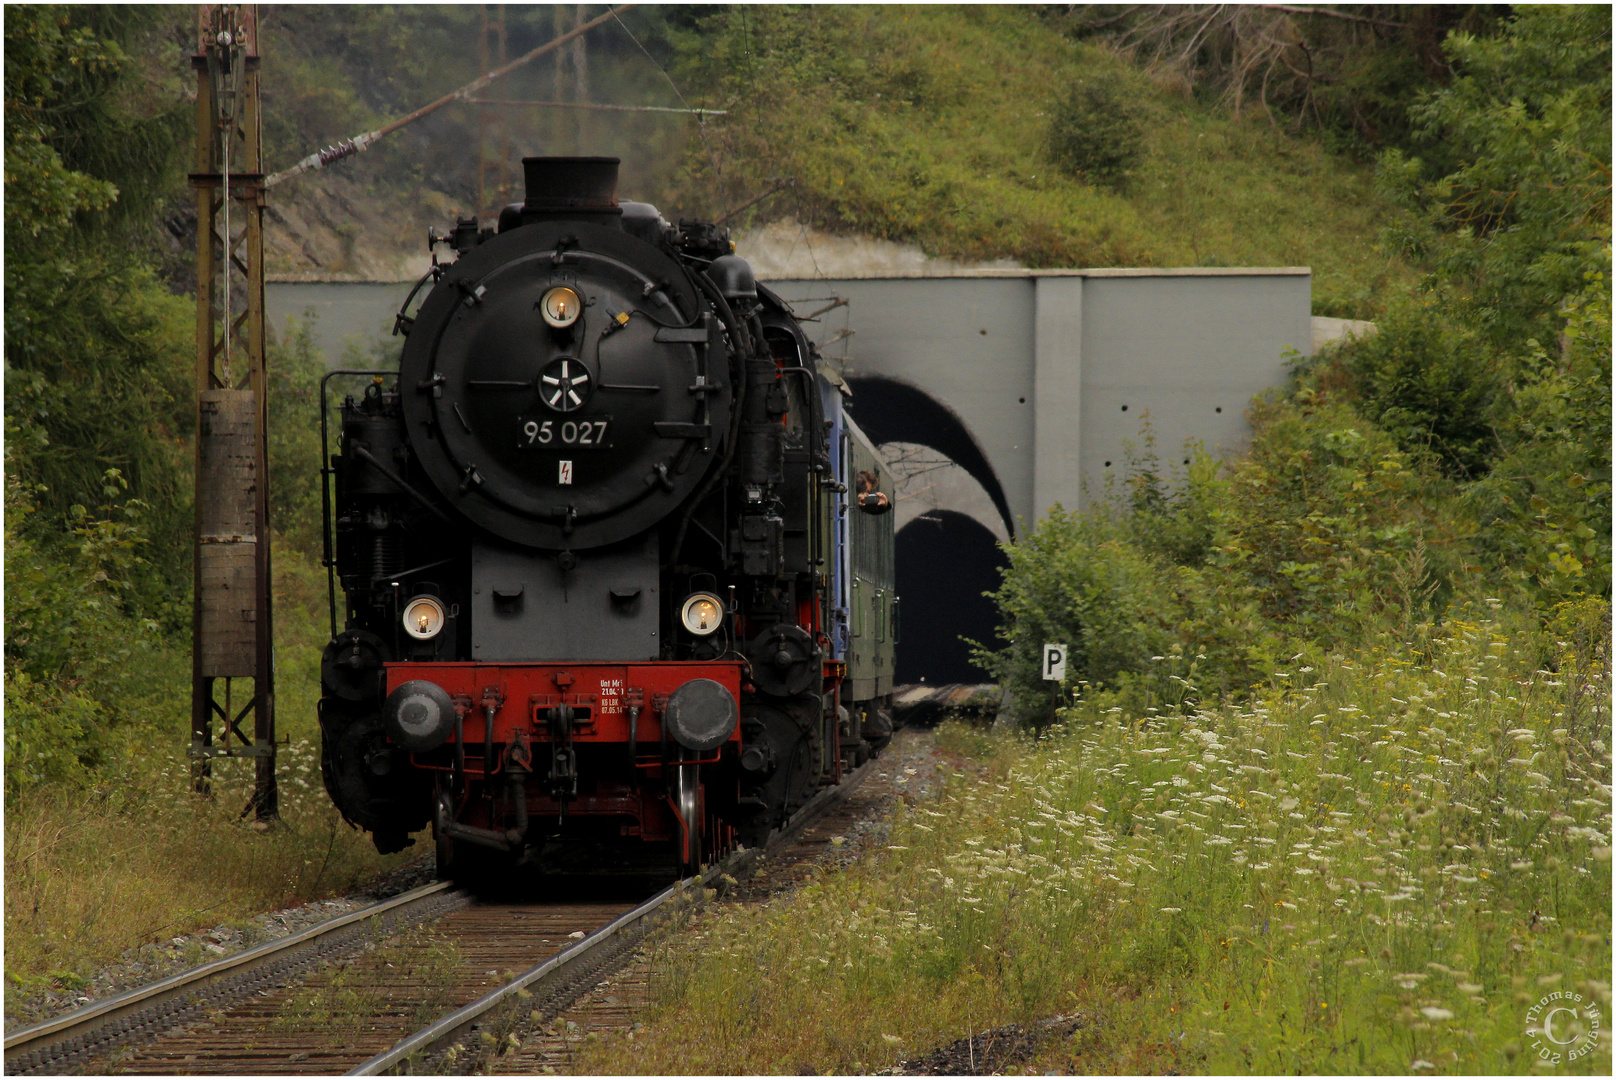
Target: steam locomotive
(615,563)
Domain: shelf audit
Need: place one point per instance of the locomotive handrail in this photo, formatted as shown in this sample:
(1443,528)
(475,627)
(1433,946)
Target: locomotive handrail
(745,347)
(411,572)
(402,321)
(402,485)
(326,472)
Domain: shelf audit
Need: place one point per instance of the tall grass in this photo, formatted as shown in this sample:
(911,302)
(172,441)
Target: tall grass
(91,872)
(106,849)
(1377,865)
(130,857)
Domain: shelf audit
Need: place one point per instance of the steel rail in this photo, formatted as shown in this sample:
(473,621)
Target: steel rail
(163,1003)
(557,969)
(447,1028)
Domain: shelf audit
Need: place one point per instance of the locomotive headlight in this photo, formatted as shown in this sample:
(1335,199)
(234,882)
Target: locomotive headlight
(423,618)
(702,613)
(561,306)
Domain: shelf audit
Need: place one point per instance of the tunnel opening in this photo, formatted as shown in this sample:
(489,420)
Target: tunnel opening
(946,562)
(946,559)
(891,411)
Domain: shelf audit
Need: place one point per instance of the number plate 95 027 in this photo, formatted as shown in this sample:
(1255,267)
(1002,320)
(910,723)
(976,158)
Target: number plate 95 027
(548,433)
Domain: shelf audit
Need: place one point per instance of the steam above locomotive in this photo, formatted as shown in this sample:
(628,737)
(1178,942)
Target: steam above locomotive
(607,593)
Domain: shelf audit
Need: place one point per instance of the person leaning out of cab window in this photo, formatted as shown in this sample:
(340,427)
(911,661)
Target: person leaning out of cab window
(871,499)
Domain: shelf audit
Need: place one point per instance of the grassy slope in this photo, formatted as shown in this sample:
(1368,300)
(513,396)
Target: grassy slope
(1376,866)
(929,125)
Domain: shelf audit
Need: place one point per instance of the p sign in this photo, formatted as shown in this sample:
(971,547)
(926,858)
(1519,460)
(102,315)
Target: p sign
(1055,663)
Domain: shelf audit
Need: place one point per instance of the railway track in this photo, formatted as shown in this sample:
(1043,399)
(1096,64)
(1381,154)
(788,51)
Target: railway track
(430,981)
(615,1003)
(69,1042)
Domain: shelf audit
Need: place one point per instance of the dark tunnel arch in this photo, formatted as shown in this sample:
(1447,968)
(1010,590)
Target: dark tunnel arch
(946,561)
(893,411)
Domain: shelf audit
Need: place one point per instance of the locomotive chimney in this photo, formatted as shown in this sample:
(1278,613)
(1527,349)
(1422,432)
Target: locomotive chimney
(571,188)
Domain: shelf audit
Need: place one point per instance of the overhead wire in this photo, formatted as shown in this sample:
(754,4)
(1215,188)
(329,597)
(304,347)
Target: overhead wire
(701,125)
(349,147)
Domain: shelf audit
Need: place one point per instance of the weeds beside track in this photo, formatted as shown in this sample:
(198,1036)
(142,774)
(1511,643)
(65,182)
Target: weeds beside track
(1378,865)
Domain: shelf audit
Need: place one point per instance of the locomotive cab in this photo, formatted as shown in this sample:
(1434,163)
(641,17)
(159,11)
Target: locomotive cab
(592,549)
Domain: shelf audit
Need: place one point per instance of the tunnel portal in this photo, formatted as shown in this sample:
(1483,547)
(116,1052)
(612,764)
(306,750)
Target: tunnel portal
(946,562)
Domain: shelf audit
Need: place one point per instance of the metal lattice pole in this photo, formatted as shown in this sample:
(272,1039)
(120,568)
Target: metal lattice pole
(233,615)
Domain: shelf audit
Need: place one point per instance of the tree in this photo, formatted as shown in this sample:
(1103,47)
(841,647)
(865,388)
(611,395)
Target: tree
(1516,180)
(97,352)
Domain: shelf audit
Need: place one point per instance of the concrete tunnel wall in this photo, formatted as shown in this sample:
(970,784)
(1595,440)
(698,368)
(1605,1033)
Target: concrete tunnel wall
(1052,371)
(1047,378)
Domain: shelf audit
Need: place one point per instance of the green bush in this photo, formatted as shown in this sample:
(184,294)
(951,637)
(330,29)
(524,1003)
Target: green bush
(1096,129)
(1545,508)
(1430,385)
(1173,517)
(1203,585)
(1075,579)
(98,354)
(85,668)
(1513,192)
(1323,516)
(1117,584)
